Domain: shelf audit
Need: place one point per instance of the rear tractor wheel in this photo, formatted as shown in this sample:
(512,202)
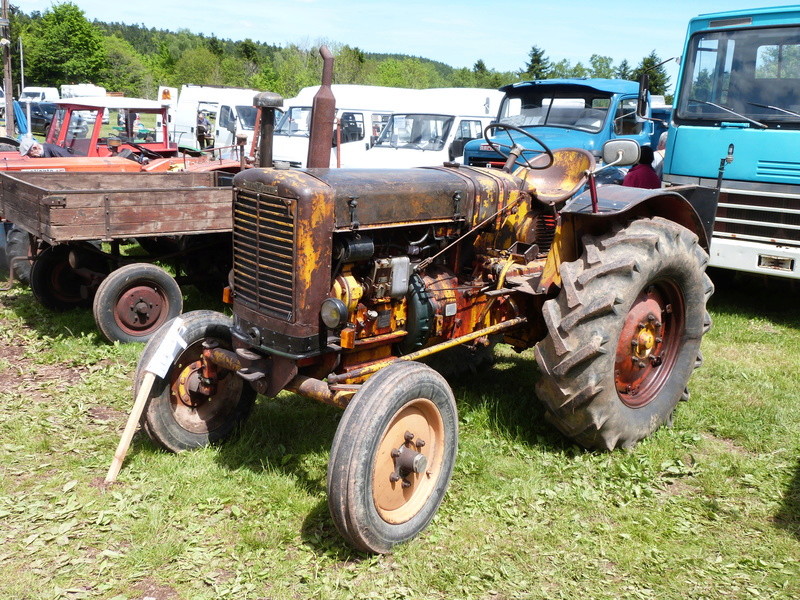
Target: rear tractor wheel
(624,333)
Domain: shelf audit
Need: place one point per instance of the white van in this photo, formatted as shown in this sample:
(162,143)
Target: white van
(32,93)
(435,129)
(79,90)
(361,113)
(230,111)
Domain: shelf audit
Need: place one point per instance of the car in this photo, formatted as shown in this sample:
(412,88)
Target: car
(41,116)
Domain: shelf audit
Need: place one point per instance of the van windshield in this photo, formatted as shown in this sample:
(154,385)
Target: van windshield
(247,116)
(583,109)
(295,121)
(418,131)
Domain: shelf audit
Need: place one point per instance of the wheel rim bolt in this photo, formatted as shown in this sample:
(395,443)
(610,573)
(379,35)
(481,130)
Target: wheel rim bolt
(408,436)
(635,343)
(419,443)
(395,453)
(394,477)
(406,484)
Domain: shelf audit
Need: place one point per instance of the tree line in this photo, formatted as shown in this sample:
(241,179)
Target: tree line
(61,46)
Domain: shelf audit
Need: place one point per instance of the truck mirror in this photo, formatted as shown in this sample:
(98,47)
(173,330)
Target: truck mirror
(623,151)
(644,91)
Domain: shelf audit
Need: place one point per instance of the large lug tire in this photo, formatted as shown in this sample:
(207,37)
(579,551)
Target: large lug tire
(56,285)
(18,245)
(134,301)
(624,333)
(392,457)
(177,419)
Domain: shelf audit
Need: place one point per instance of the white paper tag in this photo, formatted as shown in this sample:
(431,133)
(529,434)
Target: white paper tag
(167,350)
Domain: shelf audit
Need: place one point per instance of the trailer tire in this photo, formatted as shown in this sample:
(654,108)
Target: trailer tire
(57,286)
(624,333)
(134,301)
(18,245)
(372,506)
(168,421)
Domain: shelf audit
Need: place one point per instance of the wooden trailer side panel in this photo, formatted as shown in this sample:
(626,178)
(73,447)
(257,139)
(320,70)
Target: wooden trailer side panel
(57,207)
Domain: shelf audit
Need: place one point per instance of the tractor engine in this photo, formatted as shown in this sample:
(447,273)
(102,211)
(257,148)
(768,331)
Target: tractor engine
(337,269)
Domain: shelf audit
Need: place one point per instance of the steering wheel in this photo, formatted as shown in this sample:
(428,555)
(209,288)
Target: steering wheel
(145,151)
(496,146)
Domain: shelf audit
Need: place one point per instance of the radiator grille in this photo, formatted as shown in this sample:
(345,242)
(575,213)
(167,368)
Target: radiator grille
(263,253)
(769,219)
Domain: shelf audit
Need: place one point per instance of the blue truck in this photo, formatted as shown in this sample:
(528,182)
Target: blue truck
(570,113)
(739,90)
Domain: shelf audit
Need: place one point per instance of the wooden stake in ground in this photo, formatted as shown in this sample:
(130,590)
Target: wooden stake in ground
(168,349)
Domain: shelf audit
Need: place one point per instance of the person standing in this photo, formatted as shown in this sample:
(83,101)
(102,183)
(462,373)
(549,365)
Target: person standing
(203,130)
(642,175)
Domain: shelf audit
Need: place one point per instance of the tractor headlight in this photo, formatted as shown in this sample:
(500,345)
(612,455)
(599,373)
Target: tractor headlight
(333,313)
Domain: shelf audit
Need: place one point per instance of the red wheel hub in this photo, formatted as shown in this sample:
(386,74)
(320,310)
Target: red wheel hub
(648,344)
(140,308)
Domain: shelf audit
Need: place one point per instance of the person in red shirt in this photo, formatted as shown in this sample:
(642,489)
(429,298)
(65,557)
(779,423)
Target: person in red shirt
(642,175)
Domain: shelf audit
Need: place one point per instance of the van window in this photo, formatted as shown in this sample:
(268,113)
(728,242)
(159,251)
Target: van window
(417,131)
(226,117)
(295,121)
(352,124)
(379,121)
(469,130)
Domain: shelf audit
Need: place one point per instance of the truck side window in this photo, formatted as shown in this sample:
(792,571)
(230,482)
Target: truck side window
(625,119)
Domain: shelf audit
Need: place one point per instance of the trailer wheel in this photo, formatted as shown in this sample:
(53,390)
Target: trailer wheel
(624,333)
(134,301)
(59,286)
(18,244)
(392,456)
(177,418)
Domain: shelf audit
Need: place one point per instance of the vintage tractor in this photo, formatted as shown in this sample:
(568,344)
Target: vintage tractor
(346,282)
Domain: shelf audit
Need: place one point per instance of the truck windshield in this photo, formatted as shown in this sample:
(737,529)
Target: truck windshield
(742,75)
(583,109)
(295,121)
(418,131)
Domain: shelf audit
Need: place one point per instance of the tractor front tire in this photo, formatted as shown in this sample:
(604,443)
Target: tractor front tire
(175,417)
(624,333)
(392,456)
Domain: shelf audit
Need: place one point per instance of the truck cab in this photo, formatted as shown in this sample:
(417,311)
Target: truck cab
(567,113)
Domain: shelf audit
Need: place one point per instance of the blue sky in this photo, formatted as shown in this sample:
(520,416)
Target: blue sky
(501,32)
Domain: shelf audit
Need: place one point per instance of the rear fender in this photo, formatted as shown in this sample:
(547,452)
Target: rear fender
(692,207)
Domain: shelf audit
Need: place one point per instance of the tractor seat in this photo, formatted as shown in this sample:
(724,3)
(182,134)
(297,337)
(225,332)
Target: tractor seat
(563,178)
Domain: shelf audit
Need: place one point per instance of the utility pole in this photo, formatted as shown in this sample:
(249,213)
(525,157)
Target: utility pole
(5,42)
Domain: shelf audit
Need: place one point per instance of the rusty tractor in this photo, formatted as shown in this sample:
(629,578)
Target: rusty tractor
(347,282)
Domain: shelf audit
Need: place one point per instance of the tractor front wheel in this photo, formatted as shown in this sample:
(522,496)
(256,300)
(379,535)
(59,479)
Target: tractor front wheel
(624,333)
(392,456)
(178,415)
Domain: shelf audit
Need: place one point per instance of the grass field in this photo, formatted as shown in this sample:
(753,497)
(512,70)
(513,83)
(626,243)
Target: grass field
(709,508)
